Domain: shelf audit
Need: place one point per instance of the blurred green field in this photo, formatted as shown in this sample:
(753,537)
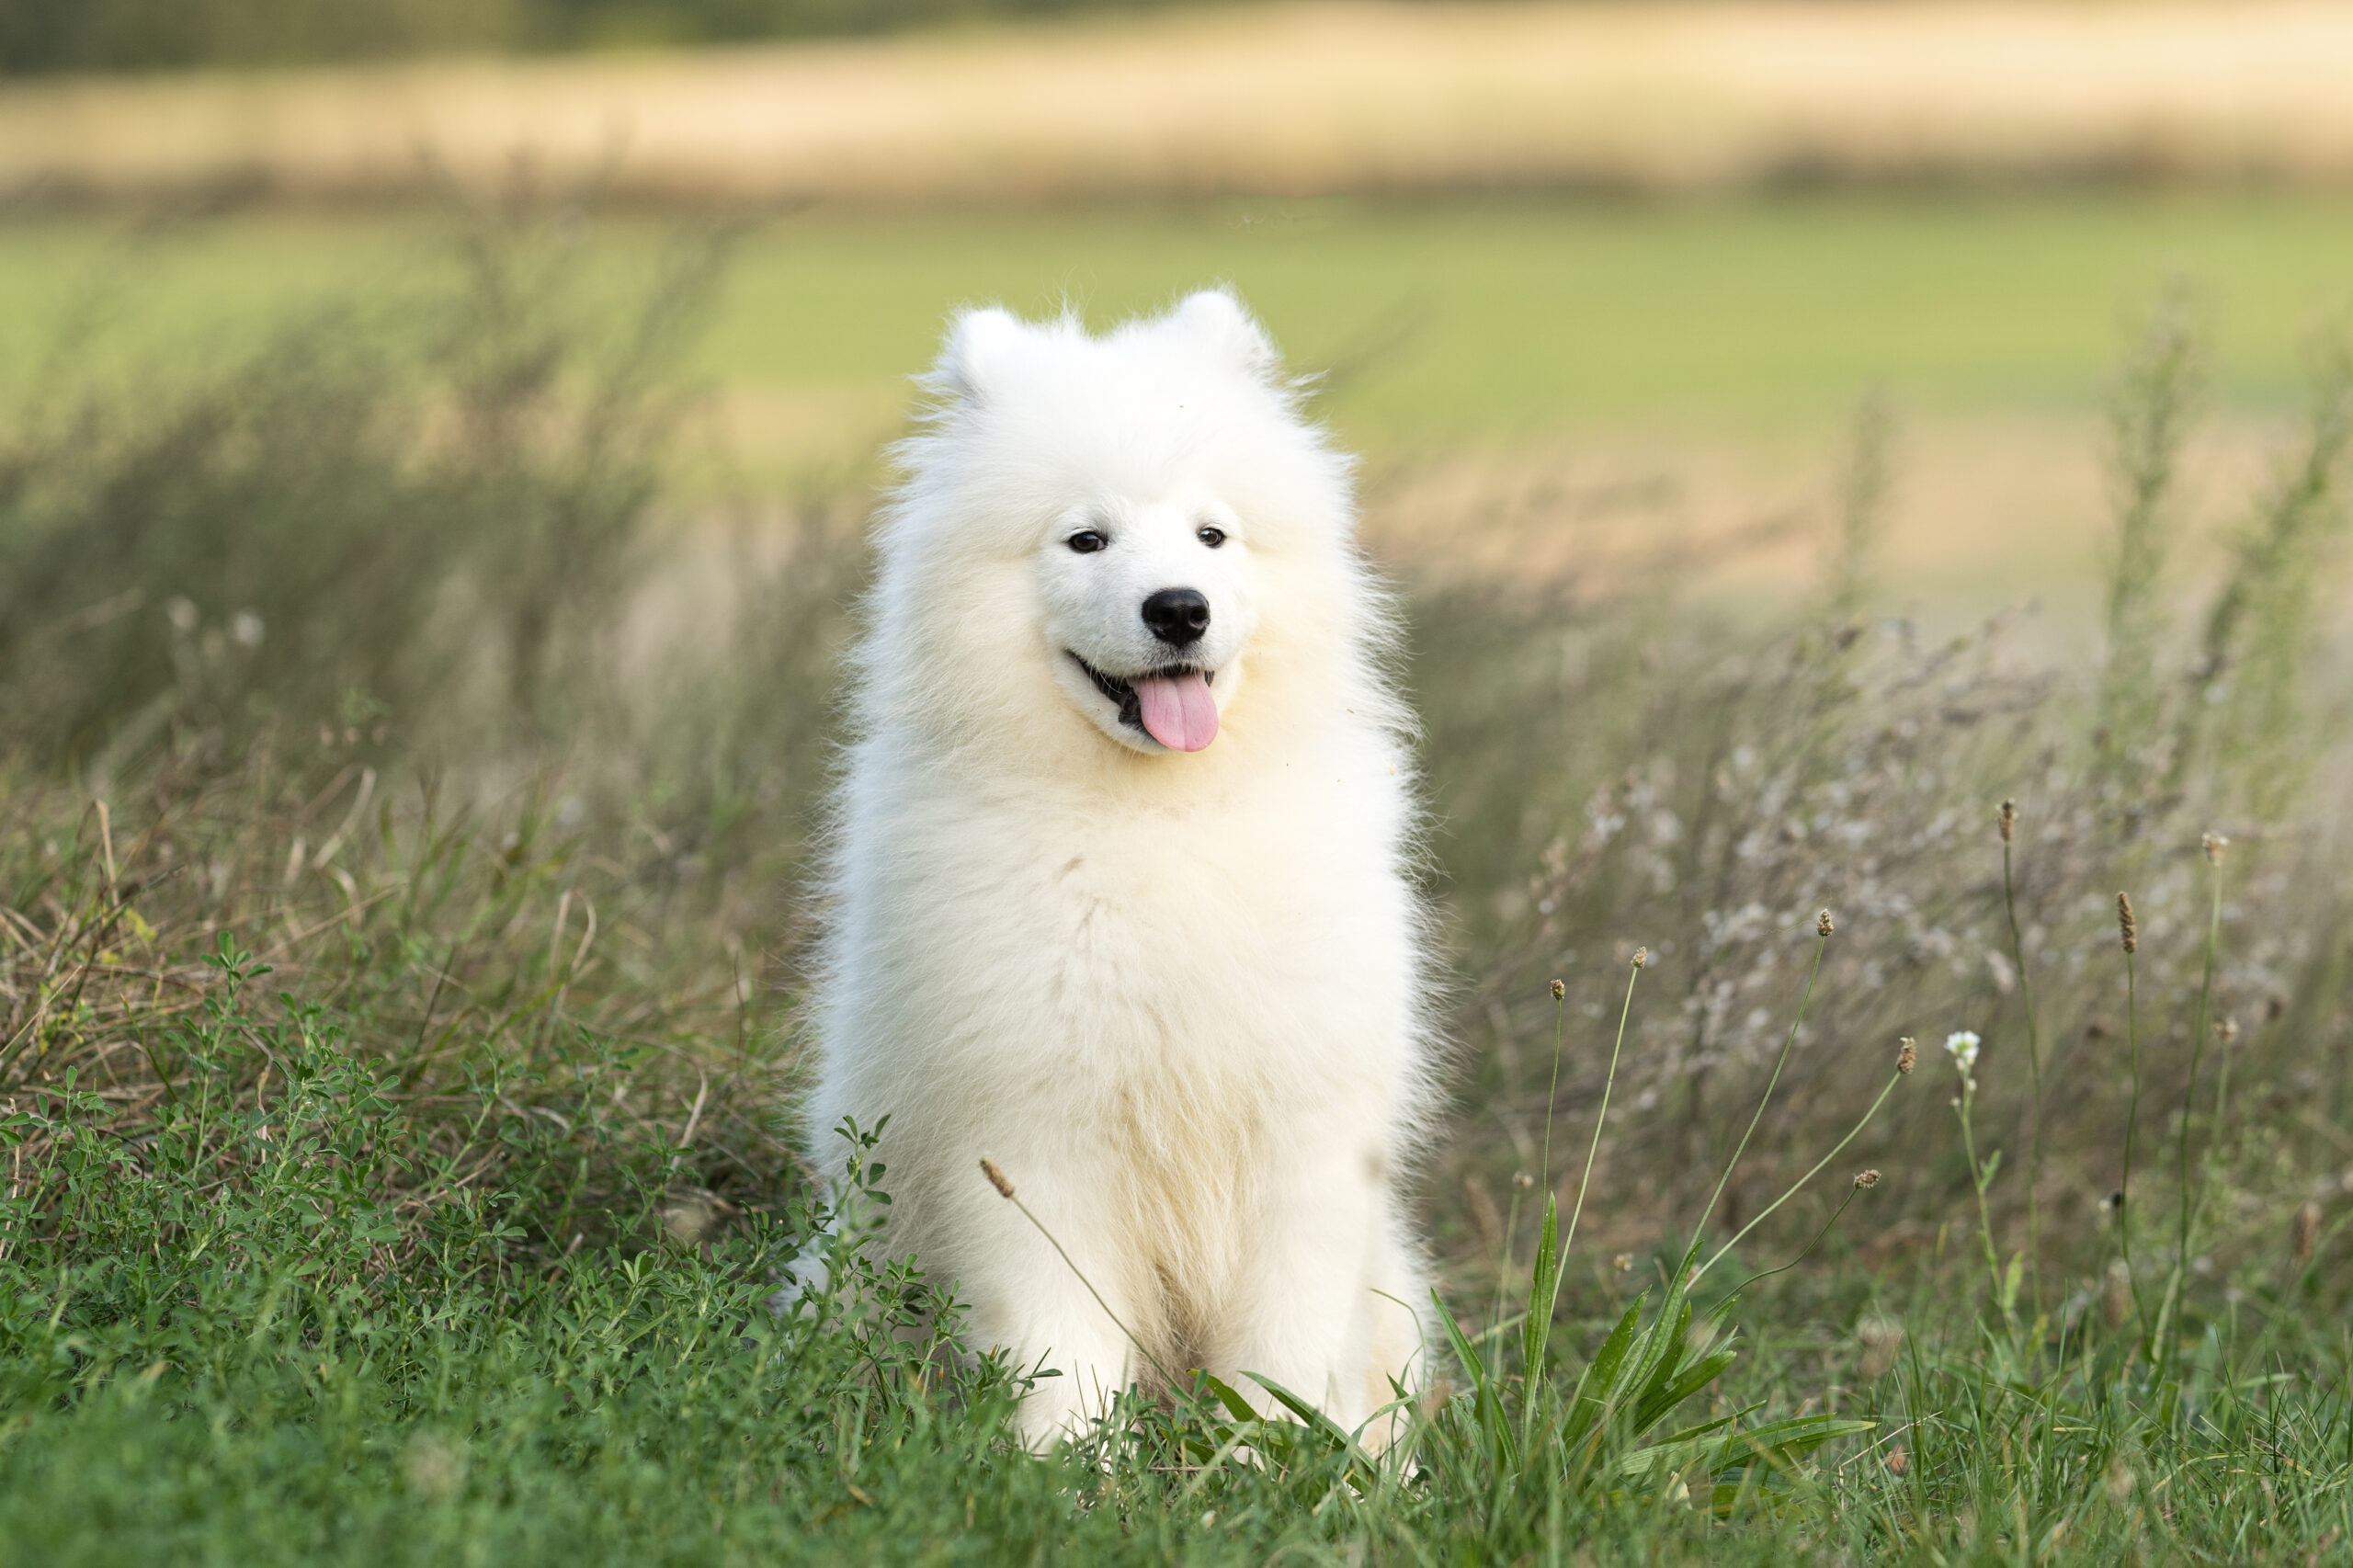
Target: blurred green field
(1474,321)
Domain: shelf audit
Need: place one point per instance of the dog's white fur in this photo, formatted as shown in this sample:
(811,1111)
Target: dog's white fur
(1177,997)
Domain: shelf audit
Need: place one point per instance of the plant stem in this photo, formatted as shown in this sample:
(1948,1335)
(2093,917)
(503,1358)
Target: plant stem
(1544,1165)
(1552,1096)
(1742,1288)
(1762,1215)
(1503,1270)
(1540,1328)
(1978,1181)
(1175,1390)
(1716,1197)
(2034,1074)
(2190,1094)
(2125,1202)
(1608,1084)
(2228,1048)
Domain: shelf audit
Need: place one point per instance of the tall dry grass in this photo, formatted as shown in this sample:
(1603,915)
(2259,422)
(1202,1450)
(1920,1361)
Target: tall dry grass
(1634,775)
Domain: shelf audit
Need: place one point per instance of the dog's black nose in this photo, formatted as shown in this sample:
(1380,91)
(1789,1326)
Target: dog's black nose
(1178,616)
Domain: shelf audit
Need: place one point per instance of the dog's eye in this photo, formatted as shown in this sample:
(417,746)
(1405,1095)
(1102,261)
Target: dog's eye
(1210,535)
(1087,541)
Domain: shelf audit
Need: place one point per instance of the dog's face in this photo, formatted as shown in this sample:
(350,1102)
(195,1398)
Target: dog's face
(1148,605)
(1099,534)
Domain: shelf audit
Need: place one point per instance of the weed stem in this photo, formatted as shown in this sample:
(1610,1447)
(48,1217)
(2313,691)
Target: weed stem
(1827,1225)
(2196,1054)
(1762,1215)
(2034,1072)
(997,1179)
(1591,1149)
(2124,1199)
(1821,942)
(1552,1096)
(1979,1178)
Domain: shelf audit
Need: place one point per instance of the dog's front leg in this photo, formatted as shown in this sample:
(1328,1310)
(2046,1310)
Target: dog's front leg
(1327,1305)
(1025,1299)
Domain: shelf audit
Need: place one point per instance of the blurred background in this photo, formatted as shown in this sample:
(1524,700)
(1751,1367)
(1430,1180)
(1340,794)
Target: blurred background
(1796,426)
(1654,251)
(1660,248)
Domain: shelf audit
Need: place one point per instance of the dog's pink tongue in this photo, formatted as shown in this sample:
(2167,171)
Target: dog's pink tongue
(1177,710)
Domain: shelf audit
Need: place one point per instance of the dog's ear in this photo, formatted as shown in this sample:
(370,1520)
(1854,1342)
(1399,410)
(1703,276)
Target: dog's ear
(977,348)
(1217,321)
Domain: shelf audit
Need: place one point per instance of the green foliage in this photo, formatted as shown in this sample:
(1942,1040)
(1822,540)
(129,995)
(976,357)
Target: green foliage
(285,1330)
(277,1334)
(1600,1434)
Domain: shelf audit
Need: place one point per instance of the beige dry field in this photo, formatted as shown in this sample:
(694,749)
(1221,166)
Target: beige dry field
(1301,99)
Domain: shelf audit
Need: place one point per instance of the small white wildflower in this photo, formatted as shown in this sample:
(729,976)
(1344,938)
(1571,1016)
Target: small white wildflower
(1962,1045)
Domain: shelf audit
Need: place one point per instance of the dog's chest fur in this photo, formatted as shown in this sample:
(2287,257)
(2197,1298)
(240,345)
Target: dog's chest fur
(1248,938)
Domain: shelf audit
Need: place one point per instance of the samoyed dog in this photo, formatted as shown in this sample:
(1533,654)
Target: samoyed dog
(1121,894)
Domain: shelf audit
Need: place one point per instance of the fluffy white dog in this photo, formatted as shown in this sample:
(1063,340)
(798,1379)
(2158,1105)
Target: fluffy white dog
(1121,896)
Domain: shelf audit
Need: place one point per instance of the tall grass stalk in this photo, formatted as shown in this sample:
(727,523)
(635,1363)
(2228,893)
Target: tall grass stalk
(2149,419)
(1822,943)
(1608,1083)
(1963,1048)
(1555,1451)
(2250,719)
(1544,1301)
(1861,1183)
(1835,1150)
(1552,1094)
(1544,1163)
(2033,1061)
(1863,503)
(1004,1185)
(2128,937)
(2192,1193)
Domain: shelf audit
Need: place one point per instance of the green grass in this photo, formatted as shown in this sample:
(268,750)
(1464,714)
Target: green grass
(402,937)
(279,1315)
(1465,320)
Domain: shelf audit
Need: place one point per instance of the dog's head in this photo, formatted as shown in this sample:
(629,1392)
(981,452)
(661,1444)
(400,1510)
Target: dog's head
(1124,526)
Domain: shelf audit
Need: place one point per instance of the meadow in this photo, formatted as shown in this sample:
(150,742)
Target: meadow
(405,868)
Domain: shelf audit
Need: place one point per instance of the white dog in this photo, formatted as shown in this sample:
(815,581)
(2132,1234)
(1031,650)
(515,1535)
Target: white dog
(1121,896)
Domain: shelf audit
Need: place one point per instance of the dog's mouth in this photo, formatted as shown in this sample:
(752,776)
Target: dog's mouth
(1171,704)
